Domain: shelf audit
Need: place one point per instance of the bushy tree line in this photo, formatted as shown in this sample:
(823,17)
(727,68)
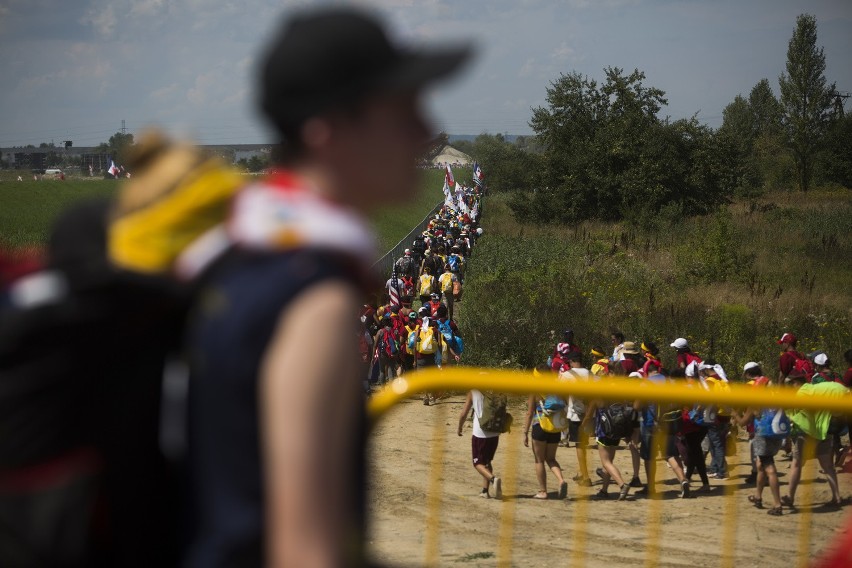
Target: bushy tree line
(602,150)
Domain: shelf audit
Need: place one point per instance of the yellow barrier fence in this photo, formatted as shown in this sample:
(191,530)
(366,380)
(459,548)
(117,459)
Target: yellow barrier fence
(610,388)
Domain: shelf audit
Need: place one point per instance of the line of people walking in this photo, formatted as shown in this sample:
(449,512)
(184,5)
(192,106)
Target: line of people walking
(683,435)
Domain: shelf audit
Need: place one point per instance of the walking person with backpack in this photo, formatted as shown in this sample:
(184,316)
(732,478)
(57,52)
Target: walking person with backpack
(546,419)
(446,282)
(611,423)
(685,355)
(490,419)
(771,426)
(792,360)
(576,413)
(425,285)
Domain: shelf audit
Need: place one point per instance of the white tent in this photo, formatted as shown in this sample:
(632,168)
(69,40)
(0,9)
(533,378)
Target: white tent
(449,155)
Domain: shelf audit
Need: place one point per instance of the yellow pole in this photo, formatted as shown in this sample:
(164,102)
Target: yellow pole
(436,474)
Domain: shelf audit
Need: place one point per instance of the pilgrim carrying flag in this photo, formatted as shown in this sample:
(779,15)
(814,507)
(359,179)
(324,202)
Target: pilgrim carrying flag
(448,177)
(112,169)
(393,289)
(478,178)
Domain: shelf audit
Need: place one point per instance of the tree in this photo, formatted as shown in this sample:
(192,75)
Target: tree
(119,144)
(606,154)
(805,98)
(837,160)
(737,137)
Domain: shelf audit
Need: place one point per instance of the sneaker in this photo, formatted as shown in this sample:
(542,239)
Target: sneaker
(563,490)
(720,476)
(684,490)
(625,489)
(713,475)
(484,494)
(635,482)
(426,400)
(600,472)
(498,487)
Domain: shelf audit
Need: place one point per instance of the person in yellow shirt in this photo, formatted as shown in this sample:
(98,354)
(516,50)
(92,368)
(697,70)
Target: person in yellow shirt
(601,366)
(426,285)
(445,282)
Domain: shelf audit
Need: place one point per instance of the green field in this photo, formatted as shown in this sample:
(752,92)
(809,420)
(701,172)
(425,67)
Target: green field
(28,208)
(731,282)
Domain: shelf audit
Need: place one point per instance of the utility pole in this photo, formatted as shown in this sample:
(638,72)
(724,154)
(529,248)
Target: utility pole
(123,127)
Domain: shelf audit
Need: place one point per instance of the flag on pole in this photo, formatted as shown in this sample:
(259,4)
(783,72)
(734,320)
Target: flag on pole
(448,177)
(478,178)
(112,169)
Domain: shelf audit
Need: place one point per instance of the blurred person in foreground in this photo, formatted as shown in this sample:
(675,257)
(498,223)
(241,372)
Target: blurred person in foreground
(277,421)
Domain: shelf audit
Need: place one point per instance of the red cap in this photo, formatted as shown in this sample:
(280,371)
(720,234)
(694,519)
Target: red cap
(787,338)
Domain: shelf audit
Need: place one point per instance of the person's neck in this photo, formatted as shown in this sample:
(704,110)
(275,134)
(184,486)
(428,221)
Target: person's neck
(318,180)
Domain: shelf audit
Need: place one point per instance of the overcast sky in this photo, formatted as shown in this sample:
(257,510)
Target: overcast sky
(75,69)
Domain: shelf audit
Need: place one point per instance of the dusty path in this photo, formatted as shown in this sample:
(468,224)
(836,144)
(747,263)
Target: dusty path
(549,533)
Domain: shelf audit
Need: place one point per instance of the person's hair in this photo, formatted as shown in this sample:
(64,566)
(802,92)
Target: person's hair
(848,356)
(754,372)
(427,270)
(651,347)
(618,335)
(710,361)
(797,378)
(686,349)
(543,368)
(573,356)
(441,312)
(677,374)
(446,267)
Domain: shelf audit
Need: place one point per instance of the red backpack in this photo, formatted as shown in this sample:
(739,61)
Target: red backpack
(803,365)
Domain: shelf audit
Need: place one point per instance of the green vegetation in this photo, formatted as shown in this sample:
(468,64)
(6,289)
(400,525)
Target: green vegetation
(393,223)
(731,282)
(28,208)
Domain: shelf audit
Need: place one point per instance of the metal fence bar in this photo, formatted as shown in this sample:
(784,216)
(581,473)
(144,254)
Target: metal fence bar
(384,265)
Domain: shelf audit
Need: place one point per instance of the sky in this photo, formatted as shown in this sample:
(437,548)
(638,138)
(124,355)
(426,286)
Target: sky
(73,70)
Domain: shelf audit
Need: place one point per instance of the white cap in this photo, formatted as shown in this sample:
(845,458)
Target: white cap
(680,343)
(750,365)
(821,359)
(635,375)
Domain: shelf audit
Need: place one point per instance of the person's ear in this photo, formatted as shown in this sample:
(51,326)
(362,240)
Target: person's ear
(316,133)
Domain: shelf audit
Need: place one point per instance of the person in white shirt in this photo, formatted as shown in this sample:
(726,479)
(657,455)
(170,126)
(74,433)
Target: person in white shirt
(483,444)
(576,412)
(617,340)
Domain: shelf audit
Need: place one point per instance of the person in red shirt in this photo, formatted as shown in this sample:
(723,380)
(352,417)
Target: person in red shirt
(652,362)
(632,359)
(789,355)
(685,356)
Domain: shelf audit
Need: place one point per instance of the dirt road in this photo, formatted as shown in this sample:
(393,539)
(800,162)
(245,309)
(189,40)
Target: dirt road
(553,532)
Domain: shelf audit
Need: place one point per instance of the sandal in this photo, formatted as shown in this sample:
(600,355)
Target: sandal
(601,495)
(755,501)
(563,490)
(625,489)
(787,502)
(775,512)
(540,495)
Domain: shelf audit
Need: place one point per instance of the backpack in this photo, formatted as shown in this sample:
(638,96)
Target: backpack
(425,285)
(616,420)
(446,330)
(702,416)
(427,345)
(552,414)
(804,366)
(387,344)
(772,423)
(453,261)
(494,416)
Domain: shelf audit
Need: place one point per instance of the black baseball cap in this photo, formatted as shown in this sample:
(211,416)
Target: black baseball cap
(328,58)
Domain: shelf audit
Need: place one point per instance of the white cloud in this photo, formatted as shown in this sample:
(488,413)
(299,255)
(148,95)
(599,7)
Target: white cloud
(164,93)
(102,18)
(146,7)
(563,52)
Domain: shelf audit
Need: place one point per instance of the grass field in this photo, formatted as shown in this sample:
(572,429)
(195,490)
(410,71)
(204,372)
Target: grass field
(731,283)
(28,208)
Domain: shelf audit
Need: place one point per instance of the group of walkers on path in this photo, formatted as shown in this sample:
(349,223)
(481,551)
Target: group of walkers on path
(397,335)
(682,434)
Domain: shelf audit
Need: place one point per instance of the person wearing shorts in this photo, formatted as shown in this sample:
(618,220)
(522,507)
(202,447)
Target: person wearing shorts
(764,446)
(606,451)
(483,444)
(812,431)
(544,445)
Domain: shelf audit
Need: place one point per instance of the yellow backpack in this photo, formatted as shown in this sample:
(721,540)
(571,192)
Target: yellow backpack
(425,285)
(427,344)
